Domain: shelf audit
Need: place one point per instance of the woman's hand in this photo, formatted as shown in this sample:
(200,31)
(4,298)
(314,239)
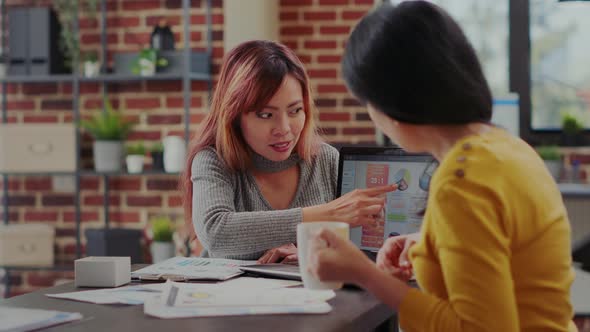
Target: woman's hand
(285,254)
(360,207)
(393,256)
(333,258)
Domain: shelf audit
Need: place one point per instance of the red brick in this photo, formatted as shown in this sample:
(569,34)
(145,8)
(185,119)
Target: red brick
(125,184)
(85,216)
(13,184)
(20,105)
(331,88)
(319,16)
(11,88)
(21,200)
(329,58)
(178,102)
(123,21)
(353,14)
(38,184)
(66,88)
(162,184)
(365,2)
(328,131)
(340,116)
(59,104)
(98,200)
(137,5)
(89,88)
(144,201)
(164,119)
(292,44)
(196,36)
(39,88)
(297,30)
(362,117)
(65,232)
(323,102)
(144,135)
(139,38)
(320,44)
(197,118)
(296,2)
(39,216)
(351,102)
(199,86)
(124,217)
(289,16)
(358,131)
(174,201)
(57,200)
(200,19)
(322,73)
(154,20)
(335,30)
(164,86)
(87,23)
(217,35)
(333,2)
(142,103)
(40,119)
(305,58)
(40,279)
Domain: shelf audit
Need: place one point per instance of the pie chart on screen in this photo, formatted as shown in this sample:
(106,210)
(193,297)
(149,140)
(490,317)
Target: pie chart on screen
(402,178)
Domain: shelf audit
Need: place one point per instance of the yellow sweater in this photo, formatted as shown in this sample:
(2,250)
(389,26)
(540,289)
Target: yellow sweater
(495,248)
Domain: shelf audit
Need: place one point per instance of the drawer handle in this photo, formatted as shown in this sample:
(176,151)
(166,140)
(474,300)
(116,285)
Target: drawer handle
(41,148)
(27,248)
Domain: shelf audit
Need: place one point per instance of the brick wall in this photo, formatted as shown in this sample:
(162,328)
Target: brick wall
(315,29)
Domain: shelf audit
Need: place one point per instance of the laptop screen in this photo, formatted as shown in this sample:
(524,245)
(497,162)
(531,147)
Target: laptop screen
(367,167)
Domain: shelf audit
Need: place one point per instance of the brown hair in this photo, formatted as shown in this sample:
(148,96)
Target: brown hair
(250,75)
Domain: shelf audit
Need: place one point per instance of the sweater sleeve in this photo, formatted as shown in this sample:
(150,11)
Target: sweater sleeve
(222,230)
(472,242)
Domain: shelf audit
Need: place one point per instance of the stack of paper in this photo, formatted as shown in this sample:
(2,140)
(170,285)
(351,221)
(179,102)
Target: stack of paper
(191,268)
(122,295)
(21,319)
(181,300)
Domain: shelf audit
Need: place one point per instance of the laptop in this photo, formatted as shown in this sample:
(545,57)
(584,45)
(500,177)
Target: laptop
(366,167)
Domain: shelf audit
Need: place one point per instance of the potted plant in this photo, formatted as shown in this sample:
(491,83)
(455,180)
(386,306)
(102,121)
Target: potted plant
(572,128)
(68,12)
(157,154)
(109,130)
(91,64)
(147,61)
(162,246)
(135,156)
(552,158)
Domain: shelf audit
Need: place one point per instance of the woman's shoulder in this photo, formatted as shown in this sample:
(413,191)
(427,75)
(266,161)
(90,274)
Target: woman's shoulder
(328,152)
(207,159)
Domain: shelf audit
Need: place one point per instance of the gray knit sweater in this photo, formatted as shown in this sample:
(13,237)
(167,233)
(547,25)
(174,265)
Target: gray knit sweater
(233,220)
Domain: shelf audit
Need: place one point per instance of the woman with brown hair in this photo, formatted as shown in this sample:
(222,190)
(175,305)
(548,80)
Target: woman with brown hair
(259,167)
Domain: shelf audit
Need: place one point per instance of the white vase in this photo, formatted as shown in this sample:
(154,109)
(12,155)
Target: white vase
(161,251)
(91,68)
(147,67)
(174,154)
(134,163)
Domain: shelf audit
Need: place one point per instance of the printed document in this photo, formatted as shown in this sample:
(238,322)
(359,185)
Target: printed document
(22,319)
(191,268)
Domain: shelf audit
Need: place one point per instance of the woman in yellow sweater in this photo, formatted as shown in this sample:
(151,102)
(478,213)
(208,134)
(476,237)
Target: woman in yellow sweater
(494,250)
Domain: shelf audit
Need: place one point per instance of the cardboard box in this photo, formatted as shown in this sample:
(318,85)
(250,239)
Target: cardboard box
(96,271)
(26,245)
(37,148)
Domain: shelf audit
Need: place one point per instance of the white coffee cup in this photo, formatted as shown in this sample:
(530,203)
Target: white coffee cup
(304,233)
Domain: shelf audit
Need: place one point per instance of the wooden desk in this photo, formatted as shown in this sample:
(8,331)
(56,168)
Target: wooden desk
(353,310)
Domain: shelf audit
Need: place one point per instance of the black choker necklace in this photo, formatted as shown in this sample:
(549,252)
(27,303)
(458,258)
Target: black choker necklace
(268,166)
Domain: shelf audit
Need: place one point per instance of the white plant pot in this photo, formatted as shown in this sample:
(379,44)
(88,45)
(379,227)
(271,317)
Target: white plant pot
(147,67)
(554,167)
(174,154)
(108,156)
(134,163)
(161,251)
(91,69)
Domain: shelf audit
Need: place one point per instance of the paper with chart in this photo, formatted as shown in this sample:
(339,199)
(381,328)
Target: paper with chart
(131,295)
(24,319)
(180,300)
(192,268)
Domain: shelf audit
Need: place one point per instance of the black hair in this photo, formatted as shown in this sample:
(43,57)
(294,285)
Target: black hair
(413,62)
